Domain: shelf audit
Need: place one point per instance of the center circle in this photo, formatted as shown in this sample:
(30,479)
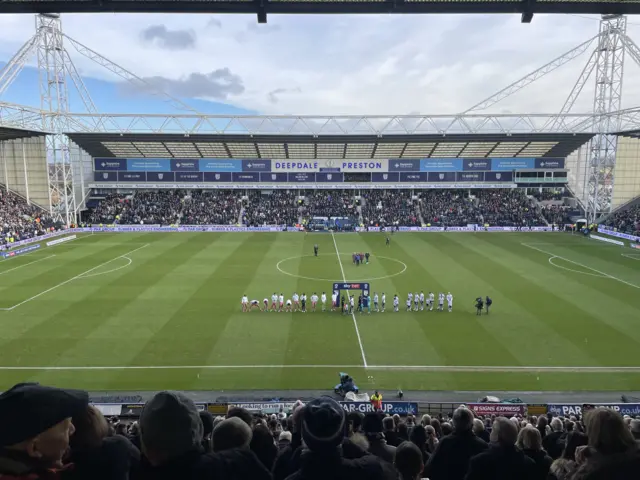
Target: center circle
(284,260)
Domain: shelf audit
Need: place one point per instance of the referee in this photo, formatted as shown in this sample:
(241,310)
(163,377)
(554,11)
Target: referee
(315,250)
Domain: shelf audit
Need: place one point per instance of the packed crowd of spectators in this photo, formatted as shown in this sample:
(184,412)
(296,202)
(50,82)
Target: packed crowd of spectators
(507,208)
(54,434)
(389,207)
(20,220)
(276,208)
(448,207)
(547,194)
(556,214)
(626,221)
(334,203)
(211,208)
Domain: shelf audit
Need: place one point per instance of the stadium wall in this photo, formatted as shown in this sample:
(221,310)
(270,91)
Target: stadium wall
(627,179)
(23,169)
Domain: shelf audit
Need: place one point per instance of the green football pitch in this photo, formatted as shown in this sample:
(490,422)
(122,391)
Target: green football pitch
(146,311)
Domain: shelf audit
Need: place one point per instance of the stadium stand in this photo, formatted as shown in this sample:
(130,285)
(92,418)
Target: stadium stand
(390,208)
(626,220)
(72,440)
(20,220)
(274,208)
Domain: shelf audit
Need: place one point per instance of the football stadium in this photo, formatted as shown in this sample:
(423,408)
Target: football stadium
(399,264)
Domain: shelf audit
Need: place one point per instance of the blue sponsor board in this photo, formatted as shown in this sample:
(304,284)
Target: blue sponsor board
(329,169)
(506,164)
(273,177)
(222,165)
(389,408)
(246,177)
(441,176)
(109,164)
(105,176)
(161,177)
(397,165)
(470,176)
(302,177)
(327,177)
(132,177)
(414,177)
(498,177)
(217,176)
(441,165)
(189,177)
(256,165)
(185,165)
(20,251)
(385,177)
(310,165)
(566,409)
(549,163)
(148,164)
(476,164)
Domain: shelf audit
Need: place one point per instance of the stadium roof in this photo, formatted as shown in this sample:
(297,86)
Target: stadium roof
(301,147)
(264,7)
(15,133)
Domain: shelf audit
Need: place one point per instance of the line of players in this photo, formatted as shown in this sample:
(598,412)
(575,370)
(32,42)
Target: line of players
(417,302)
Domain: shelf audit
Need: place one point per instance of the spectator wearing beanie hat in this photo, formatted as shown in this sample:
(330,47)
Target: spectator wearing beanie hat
(373,428)
(35,426)
(323,431)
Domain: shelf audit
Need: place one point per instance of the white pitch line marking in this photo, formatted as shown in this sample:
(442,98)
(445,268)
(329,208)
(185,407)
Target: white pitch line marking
(110,271)
(424,368)
(353,315)
(72,279)
(632,256)
(581,265)
(26,264)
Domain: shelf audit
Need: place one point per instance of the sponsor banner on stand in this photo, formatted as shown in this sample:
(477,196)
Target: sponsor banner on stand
(398,165)
(414,177)
(635,245)
(61,240)
(105,176)
(148,164)
(20,251)
(114,164)
(217,176)
(470,176)
(476,164)
(264,407)
(498,177)
(246,177)
(377,165)
(302,177)
(273,177)
(441,165)
(110,409)
(329,164)
(161,177)
(550,163)
(132,176)
(221,165)
(498,408)
(566,409)
(331,177)
(385,177)
(189,177)
(257,165)
(508,164)
(442,176)
(608,240)
(613,233)
(181,165)
(391,408)
(302,186)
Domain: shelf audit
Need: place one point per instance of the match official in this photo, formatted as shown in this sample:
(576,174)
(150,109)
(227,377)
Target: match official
(479,305)
(488,303)
(315,250)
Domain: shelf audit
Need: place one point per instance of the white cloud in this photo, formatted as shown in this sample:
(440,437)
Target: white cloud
(350,64)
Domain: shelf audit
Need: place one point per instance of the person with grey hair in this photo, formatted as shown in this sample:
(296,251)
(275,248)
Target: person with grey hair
(554,442)
(453,452)
(503,460)
(171,433)
(479,430)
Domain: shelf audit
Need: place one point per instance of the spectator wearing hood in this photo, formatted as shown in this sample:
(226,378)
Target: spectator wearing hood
(35,427)
(324,428)
(450,460)
(207,424)
(373,431)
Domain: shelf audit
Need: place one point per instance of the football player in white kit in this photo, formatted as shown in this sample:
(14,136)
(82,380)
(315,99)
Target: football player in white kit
(334,301)
(274,302)
(396,303)
(431,301)
(281,301)
(375,302)
(287,308)
(416,301)
(421,300)
(254,304)
(450,301)
(323,299)
(441,301)
(296,302)
(314,301)
(266,305)
(245,303)
(384,301)
(409,301)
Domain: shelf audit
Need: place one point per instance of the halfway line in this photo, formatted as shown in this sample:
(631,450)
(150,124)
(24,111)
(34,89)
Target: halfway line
(353,315)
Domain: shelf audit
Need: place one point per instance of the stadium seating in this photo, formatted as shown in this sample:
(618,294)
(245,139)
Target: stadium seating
(391,207)
(19,220)
(626,220)
(275,208)
(181,441)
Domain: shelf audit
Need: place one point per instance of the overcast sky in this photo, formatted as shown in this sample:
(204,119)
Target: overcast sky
(334,64)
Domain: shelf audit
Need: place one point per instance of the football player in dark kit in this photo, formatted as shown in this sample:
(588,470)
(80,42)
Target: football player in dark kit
(479,305)
(488,303)
(315,250)
(366,256)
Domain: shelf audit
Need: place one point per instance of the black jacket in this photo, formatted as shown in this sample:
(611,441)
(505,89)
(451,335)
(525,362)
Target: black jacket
(501,463)
(542,460)
(378,446)
(333,466)
(113,460)
(622,466)
(451,459)
(551,443)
